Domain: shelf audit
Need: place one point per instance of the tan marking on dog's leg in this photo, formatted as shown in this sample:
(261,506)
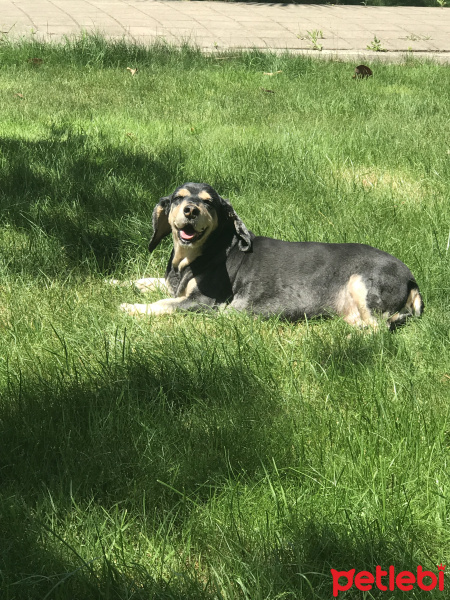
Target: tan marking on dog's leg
(395,317)
(346,306)
(351,303)
(146,284)
(192,286)
(162,307)
(358,290)
(149,284)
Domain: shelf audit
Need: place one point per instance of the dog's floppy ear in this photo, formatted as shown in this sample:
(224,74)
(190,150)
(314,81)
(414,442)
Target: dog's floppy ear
(245,237)
(161,226)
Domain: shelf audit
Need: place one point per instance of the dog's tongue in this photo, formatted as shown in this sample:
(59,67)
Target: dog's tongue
(187,234)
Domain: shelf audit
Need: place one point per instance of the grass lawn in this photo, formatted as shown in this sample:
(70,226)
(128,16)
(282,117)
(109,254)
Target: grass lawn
(199,457)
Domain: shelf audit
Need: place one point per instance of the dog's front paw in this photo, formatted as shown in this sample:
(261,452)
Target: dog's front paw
(135,309)
(119,282)
(162,307)
(149,284)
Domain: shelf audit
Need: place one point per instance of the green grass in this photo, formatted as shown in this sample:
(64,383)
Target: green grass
(198,457)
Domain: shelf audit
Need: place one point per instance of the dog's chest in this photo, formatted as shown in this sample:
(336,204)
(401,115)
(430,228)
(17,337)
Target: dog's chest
(178,282)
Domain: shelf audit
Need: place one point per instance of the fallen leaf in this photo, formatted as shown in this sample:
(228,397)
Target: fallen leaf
(35,61)
(268,91)
(132,71)
(275,73)
(20,96)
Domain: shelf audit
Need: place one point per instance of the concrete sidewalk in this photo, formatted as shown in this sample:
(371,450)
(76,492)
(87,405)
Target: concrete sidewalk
(342,31)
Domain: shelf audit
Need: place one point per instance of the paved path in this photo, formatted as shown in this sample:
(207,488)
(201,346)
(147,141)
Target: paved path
(346,30)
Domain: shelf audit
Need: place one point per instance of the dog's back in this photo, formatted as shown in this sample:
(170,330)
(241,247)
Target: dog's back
(310,279)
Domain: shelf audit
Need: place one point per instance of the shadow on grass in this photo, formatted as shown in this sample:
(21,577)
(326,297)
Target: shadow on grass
(78,198)
(165,426)
(349,353)
(306,557)
(149,431)
(34,567)
(134,432)
(36,564)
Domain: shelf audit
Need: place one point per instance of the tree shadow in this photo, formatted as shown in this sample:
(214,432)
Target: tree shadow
(36,564)
(84,192)
(147,429)
(169,422)
(350,350)
(148,421)
(306,556)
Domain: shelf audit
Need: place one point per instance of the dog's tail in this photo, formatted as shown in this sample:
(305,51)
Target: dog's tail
(414,306)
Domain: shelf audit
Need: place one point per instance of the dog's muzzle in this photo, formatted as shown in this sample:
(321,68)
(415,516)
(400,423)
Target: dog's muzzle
(188,234)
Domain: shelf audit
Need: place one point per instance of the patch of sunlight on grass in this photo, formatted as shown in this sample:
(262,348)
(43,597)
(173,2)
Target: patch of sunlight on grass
(402,184)
(395,88)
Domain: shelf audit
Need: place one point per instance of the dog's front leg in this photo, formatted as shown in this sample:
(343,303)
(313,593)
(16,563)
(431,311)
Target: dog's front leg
(162,307)
(167,307)
(149,284)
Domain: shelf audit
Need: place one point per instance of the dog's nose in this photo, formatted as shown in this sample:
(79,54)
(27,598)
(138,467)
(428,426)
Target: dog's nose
(190,211)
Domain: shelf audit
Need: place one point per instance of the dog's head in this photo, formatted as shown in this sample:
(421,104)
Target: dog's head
(192,213)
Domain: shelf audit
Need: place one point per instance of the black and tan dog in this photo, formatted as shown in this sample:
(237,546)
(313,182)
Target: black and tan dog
(216,262)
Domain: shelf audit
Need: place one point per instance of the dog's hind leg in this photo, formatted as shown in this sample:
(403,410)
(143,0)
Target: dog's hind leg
(352,304)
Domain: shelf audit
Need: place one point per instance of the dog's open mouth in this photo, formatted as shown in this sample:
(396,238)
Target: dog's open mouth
(188,234)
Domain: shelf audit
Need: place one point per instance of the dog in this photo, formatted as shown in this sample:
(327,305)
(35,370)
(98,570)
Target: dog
(216,262)
(362,71)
